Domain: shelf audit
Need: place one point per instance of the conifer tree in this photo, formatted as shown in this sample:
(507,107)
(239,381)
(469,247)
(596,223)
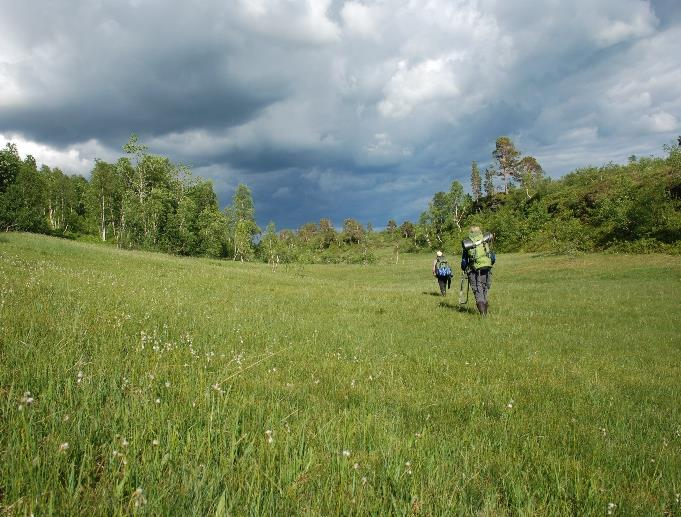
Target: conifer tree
(476,182)
(488,184)
(507,157)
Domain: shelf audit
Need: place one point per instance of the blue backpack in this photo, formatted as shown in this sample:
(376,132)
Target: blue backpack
(442,269)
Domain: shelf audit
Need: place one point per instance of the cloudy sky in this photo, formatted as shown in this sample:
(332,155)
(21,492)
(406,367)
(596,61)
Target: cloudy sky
(339,108)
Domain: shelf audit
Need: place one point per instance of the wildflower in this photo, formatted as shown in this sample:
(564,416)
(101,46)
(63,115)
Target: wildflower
(124,442)
(167,384)
(79,377)
(510,404)
(352,384)
(269,433)
(611,508)
(154,442)
(63,447)
(138,497)
(346,453)
(355,466)
(408,465)
(217,388)
(26,400)
(158,401)
(364,480)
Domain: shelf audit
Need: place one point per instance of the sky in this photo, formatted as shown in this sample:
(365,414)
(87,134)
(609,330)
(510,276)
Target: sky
(339,108)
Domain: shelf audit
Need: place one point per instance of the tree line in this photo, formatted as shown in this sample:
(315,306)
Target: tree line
(145,201)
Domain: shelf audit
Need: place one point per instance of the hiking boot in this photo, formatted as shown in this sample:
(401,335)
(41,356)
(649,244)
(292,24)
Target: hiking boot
(481,307)
(486,307)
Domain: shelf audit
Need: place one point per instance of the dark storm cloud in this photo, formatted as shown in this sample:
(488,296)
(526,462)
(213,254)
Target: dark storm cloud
(340,108)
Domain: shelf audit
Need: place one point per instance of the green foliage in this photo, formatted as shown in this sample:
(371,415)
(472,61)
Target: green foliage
(22,205)
(506,156)
(10,163)
(634,208)
(241,223)
(353,232)
(145,201)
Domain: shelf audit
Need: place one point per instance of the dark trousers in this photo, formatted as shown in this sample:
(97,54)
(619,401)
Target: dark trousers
(481,282)
(444,283)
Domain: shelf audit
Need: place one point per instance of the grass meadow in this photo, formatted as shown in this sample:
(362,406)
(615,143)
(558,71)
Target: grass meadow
(135,382)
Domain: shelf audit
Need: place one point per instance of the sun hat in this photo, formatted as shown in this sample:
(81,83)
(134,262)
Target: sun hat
(439,253)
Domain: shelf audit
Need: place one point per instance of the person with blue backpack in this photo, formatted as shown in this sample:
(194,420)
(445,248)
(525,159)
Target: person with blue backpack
(477,259)
(442,272)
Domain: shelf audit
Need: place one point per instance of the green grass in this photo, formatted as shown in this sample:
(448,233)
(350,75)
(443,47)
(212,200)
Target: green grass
(221,388)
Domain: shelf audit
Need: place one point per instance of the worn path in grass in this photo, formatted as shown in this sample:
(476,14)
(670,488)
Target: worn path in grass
(200,386)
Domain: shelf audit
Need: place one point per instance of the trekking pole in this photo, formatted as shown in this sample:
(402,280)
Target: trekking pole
(464,278)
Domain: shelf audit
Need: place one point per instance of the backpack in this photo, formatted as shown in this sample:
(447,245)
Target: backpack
(442,269)
(478,252)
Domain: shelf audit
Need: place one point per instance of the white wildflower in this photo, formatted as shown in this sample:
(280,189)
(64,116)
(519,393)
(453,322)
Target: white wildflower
(26,400)
(138,497)
(63,447)
(346,453)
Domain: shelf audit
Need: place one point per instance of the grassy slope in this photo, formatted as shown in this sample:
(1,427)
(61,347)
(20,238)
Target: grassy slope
(564,400)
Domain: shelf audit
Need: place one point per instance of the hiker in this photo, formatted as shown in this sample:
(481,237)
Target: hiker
(442,272)
(477,259)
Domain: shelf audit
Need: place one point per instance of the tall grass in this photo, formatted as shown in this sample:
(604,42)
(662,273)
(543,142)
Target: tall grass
(139,382)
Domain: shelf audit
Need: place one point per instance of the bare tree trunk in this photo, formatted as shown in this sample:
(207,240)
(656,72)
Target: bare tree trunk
(103,221)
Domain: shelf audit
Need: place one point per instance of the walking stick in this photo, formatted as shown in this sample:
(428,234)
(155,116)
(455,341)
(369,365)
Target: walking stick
(464,278)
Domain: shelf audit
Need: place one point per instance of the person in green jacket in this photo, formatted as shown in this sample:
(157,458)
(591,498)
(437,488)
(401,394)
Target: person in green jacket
(477,260)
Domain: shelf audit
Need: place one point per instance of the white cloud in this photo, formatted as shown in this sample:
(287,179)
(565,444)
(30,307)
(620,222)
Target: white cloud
(75,159)
(385,150)
(581,134)
(412,86)
(360,19)
(304,21)
(641,22)
(661,122)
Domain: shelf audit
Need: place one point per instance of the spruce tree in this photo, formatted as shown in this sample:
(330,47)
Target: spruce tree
(476,182)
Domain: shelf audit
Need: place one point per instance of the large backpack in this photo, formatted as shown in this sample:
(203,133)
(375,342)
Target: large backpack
(442,269)
(478,250)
